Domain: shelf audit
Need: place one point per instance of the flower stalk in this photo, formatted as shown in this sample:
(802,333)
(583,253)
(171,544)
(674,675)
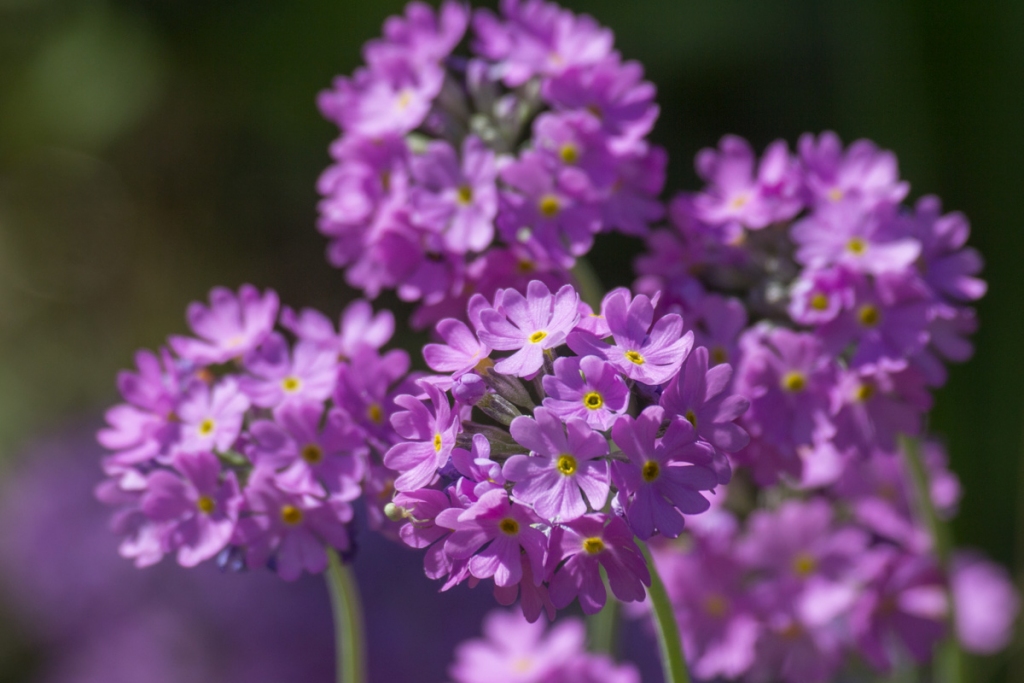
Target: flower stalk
(348,621)
(670,645)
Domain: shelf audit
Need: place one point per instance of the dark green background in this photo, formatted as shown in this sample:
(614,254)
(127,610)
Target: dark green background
(150,149)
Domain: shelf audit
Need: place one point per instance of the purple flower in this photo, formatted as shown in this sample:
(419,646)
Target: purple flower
(818,296)
(460,353)
(871,408)
(538,38)
(905,597)
(290,529)
(230,327)
(574,140)
(655,486)
(366,390)
(698,394)
(457,201)
(949,267)
(420,34)
(863,174)
(310,459)
(631,203)
(550,212)
(529,325)
(839,234)
(737,194)
(642,353)
(516,651)
(508,530)
(212,419)
(279,378)
(592,542)
(586,388)
(198,511)
(985,604)
(429,438)
(359,328)
(612,91)
(551,479)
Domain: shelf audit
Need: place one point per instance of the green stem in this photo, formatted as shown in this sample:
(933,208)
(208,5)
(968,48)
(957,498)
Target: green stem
(348,620)
(669,643)
(951,657)
(601,627)
(589,287)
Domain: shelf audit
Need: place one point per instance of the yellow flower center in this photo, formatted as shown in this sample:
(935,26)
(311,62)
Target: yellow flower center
(804,565)
(593,545)
(522,665)
(509,526)
(375,413)
(869,315)
(291,515)
(291,384)
(404,98)
(312,453)
(437,442)
(593,400)
(566,464)
(206,504)
(549,206)
(465,195)
(739,201)
(835,194)
(864,392)
(819,302)
(650,471)
(538,336)
(570,153)
(794,381)
(206,427)
(691,417)
(719,355)
(716,605)
(857,246)
(635,357)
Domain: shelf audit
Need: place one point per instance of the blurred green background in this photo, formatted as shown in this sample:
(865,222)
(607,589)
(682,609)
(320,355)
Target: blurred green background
(150,149)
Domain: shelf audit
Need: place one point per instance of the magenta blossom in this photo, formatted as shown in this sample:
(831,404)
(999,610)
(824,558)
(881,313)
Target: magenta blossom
(529,325)
(211,419)
(431,438)
(587,388)
(592,542)
(279,378)
(230,327)
(359,327)
(197,512)
(647,354)
(566,465)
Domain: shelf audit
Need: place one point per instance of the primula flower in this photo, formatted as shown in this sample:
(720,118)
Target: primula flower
(460,353)
(985,602)
(310,459)
(196,513)
(587,388)
(433,438)
(565,465)
(508,529)
(290,530)
(281,377)
(230,327)
(658,484)
(592,542)
(863,174)
(359,328)
(211,418)
(642,353)
(864,243)
(529,325)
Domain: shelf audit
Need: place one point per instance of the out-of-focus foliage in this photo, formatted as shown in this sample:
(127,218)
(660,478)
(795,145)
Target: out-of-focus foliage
(152,148)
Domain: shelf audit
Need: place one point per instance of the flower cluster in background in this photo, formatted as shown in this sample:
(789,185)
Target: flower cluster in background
(518,651)
(836,304)
(799,591)
(458,174)
(249,446)
(588,430)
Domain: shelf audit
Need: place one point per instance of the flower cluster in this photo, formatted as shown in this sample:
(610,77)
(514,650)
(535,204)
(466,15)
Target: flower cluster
(240,444)
(547,460)
(801,591)
(517,651)
(856,301)
(459,174)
